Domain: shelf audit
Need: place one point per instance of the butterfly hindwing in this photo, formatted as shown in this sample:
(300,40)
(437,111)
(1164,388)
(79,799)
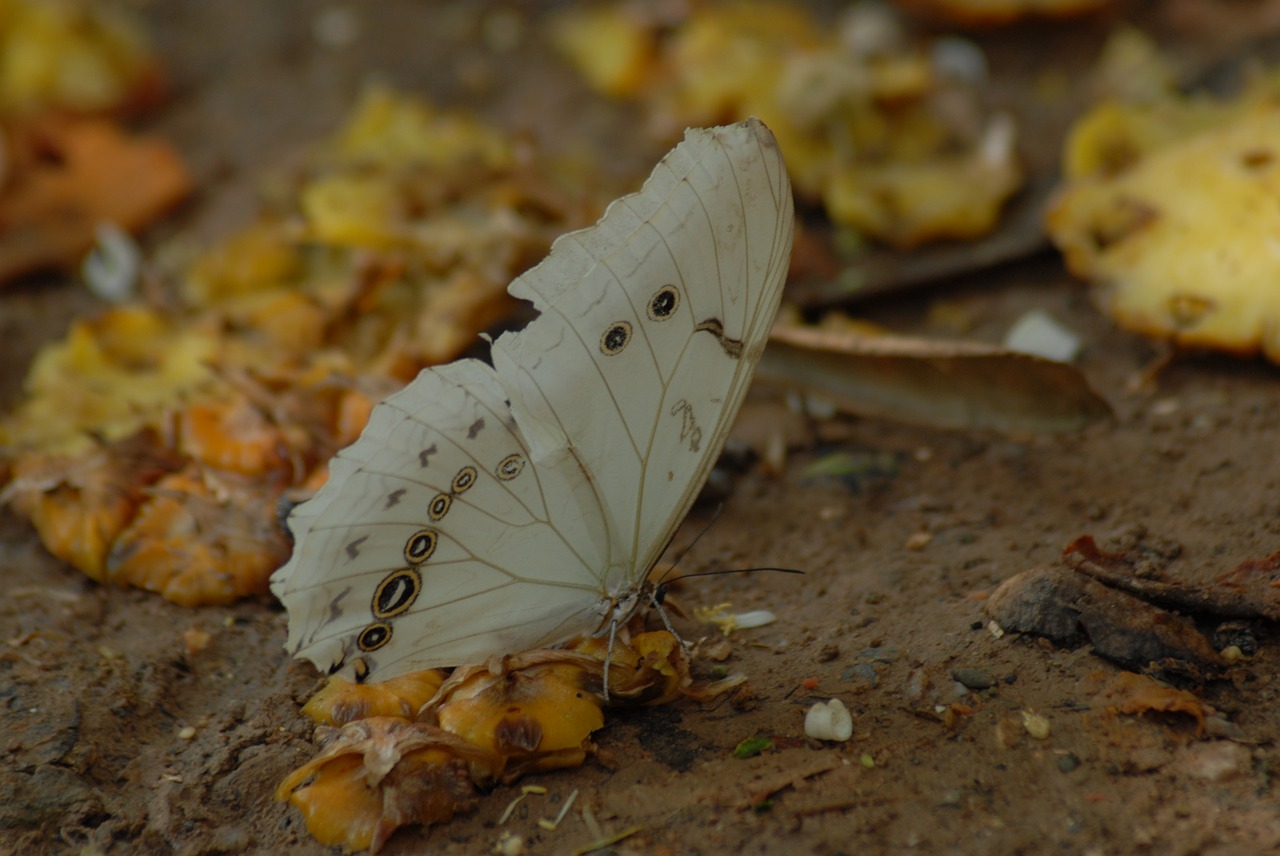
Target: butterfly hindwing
(443,519)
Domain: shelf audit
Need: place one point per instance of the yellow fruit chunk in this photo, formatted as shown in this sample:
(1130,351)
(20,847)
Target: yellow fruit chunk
(613,53)
(518,714)
(110,378)
(200,539)
(79,504)
(80,56)
(1181,244)
(536,719)
(341,701)
(891,146)
(379,774)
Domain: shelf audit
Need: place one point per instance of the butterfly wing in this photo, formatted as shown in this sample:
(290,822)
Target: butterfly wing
(437,541)
(488,510)
(640,359)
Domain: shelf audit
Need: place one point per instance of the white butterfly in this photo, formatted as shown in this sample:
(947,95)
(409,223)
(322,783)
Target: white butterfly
(490,510)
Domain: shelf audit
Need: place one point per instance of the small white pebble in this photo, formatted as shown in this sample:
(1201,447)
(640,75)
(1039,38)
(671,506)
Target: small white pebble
(113,267)
(829,720)
(1037,724)
(994,629)
(187,732)
(510,844)
(870,28)
(1038,333)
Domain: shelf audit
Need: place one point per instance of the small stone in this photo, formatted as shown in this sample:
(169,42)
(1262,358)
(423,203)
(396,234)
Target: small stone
(1036,724)
(230,839)
(878,654)
(974,679)
(918,541)
(829,720)
(196,640)
(1068,762)
(1216,762)
(864,672)
(1006,733)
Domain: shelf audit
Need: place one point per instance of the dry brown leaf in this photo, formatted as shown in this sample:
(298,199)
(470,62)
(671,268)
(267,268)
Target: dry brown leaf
(1131,693)
(1249,590)
(68,175)
(952,384)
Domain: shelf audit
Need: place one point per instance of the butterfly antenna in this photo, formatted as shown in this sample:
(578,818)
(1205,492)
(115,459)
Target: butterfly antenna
(703,531)
(730,571)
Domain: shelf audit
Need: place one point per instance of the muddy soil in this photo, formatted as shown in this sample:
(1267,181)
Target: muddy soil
(97,685)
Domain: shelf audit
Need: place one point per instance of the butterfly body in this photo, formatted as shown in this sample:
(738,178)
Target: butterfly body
(490,509)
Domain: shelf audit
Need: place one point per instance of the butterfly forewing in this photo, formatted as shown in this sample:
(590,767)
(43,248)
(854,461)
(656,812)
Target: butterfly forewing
(675,291)
(488,510)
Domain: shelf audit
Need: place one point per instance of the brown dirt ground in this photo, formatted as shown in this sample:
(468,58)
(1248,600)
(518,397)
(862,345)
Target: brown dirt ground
(95,683)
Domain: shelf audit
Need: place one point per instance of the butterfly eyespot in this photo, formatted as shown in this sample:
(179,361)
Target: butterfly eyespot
(664,303)
(420,546)
(509,467)
(374,636)
(396,593)
(463,481)
(439,506)
(615,338)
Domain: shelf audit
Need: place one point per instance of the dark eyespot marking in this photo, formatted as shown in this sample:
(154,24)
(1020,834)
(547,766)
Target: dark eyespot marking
(615,338)
(510,466)
(475,428)
(374,637)
(353,547)
(396,593)
(664,303)
(439,506)
(394,497)
(463,481)
(732,347)
(420,546)
(424,457)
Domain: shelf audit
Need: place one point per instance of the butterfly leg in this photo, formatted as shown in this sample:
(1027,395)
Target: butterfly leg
(662,613)
(608,657)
